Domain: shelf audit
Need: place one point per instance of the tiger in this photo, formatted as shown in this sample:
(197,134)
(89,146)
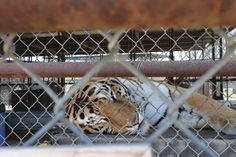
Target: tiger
(128,106)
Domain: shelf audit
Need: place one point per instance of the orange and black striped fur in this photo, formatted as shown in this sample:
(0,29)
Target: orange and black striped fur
(128,106)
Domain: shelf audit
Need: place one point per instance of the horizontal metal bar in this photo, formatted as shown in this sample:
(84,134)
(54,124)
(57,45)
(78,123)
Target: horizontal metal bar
(131,150)
(113,69)
(60,15)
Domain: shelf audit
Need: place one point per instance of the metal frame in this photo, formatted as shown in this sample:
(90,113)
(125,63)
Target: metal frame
(88,151)
(113,47)
(151,69)
(76,15)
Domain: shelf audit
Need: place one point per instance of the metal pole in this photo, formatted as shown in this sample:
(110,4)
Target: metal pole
(152,69)
(58,15)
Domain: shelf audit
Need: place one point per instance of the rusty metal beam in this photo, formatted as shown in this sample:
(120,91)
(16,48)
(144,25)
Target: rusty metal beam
(58,15)
(163,69)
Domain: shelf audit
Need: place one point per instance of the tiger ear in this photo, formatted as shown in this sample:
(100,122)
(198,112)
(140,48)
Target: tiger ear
(102,103)
(117,93)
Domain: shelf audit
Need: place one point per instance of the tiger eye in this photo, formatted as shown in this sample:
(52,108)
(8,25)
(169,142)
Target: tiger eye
(81,115)
(91,110)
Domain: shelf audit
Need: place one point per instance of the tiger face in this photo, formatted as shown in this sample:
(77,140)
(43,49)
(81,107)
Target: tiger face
(106,116)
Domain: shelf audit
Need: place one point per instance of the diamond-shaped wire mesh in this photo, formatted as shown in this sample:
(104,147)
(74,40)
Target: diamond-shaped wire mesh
(35,106)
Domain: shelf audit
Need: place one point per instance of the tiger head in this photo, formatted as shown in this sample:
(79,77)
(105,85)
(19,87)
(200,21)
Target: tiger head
(106,116)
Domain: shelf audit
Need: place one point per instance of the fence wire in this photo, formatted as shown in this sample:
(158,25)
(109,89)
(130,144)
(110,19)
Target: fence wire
(118,46)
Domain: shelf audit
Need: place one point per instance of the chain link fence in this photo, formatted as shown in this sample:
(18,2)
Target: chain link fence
(35,105)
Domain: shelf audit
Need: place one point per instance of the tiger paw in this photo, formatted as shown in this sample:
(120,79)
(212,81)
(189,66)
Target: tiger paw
(230,127)
(225,123)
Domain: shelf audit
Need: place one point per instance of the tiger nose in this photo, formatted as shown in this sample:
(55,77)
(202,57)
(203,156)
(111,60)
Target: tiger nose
(134,120)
